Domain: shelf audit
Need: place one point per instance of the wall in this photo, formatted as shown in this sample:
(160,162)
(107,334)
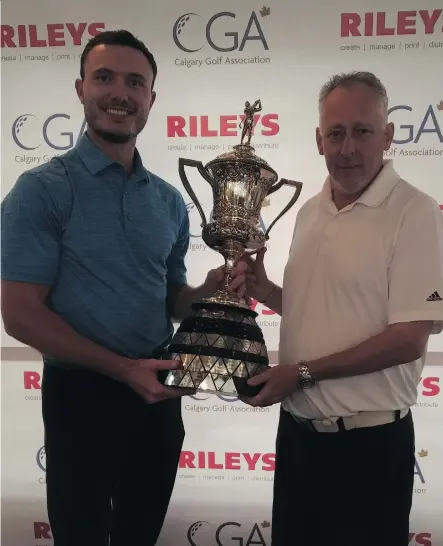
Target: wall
(223,491)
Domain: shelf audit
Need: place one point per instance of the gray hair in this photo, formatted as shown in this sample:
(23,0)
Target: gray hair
(352,78)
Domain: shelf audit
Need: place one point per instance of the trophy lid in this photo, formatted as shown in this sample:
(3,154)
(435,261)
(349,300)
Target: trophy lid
(244,152)
(241,153)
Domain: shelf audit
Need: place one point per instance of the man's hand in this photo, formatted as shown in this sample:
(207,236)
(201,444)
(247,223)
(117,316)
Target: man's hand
(215,279)
(257,283)
(141,376)
(279,382)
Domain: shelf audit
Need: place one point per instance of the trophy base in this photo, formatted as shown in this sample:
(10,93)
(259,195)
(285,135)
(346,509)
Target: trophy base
(220,347)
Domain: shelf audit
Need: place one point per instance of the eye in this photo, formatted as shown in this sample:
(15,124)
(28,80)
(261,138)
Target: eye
(136,83)
(334,134)
(103,77)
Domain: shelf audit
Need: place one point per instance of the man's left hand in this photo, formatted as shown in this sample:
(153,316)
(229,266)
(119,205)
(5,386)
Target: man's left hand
(279,382)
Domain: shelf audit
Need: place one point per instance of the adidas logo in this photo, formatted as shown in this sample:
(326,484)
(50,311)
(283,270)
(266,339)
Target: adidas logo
(434,297)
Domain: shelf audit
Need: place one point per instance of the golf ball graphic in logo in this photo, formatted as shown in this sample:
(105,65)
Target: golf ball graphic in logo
(41,458)
(188,32)
(200,533)
(25,132)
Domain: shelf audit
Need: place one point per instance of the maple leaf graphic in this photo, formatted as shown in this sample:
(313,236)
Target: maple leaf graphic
(265,11)
(265,524)
(423,453)
(440,106)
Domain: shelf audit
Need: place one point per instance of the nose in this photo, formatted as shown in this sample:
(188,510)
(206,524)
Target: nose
(348,147)
(119,90)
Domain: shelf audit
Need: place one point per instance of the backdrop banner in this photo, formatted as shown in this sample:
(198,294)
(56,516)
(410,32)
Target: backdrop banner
(212,57)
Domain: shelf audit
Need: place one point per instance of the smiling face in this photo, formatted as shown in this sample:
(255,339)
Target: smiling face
(116,92)
(353,134)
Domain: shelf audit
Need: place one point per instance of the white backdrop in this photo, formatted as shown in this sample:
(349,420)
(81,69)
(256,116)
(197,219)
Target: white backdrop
(281,53)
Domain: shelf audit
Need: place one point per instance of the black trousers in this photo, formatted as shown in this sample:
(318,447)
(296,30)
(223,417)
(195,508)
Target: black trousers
(351,488)
(111,460)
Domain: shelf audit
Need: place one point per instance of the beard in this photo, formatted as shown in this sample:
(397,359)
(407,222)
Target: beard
(114,136)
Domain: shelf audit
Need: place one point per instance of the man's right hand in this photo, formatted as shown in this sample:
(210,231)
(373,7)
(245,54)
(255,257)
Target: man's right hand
(258,286)
(141,377)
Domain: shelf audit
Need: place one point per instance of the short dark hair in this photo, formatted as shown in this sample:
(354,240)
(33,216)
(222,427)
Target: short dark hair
(120,38)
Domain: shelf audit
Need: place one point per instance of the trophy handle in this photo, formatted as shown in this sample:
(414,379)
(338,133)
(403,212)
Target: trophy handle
(284,182)
(182,163)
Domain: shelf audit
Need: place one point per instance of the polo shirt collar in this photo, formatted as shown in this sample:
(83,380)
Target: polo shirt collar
(377,192)
(96,160)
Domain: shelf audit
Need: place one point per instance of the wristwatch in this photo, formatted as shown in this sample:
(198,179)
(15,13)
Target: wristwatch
(306,380)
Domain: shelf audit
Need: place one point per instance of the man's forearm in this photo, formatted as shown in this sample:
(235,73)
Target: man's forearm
(398,344)
(181,298)
(49,334)
(273,298)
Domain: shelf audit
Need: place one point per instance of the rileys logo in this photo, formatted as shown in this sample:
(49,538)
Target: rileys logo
(429,122)
(223,32)
(28,131)
(211,460)
(420,539)
(221,126)
(50,35)
(32,380)
(401,23)
(202,532)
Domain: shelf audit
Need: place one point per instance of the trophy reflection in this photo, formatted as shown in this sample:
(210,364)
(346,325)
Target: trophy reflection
(220,344)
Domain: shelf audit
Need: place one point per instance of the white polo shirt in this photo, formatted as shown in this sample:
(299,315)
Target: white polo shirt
(349,275)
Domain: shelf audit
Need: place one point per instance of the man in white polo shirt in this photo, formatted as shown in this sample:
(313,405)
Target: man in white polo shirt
(362,292)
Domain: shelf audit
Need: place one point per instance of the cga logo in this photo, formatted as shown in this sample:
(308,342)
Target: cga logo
(28,130)
(429,122)
(41,459)
(229,532)
(191,31)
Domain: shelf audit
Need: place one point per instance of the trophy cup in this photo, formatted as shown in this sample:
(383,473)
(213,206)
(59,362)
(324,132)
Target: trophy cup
(220,345)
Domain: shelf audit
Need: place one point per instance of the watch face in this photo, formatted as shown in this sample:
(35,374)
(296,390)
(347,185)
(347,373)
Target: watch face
(307,383)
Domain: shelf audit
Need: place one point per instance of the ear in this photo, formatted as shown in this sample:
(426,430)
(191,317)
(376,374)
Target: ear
(389,135)
(153,97)
(79,89)
(319,140)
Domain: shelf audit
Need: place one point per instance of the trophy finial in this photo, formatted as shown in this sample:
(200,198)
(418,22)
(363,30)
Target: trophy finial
(248,121)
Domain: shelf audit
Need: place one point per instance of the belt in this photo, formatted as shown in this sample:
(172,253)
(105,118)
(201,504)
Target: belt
(360,420)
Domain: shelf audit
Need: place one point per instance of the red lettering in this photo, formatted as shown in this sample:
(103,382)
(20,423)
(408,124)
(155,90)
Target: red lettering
(212,463)
(201,459)
(95,28)
(175,126)
(7,35)
(193,131)
(186,460)
(382,30)
(31,380)
(349,24)
(204,128)
(251,461)
(403,22)
(264,311)
(54,36)
(369,24)
(406,23)
(423,539)
(431,384)
(34,41)
(232,461)
(227,125)
(42,530)
(268,462)
(430,21)
(76,33)
(270,124)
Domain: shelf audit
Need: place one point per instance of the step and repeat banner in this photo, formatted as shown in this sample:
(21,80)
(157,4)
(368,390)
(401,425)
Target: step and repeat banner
(212,57)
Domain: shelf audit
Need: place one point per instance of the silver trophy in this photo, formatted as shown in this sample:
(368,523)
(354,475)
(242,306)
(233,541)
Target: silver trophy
(220,344)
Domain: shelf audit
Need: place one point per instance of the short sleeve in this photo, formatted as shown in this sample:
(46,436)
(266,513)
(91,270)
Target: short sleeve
(176,259)
(416,268)
(30,235)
